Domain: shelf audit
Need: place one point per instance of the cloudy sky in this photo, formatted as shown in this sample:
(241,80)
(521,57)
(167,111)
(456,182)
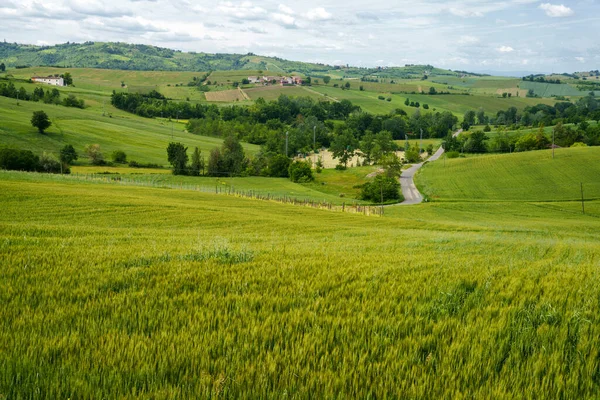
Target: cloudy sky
(482,35)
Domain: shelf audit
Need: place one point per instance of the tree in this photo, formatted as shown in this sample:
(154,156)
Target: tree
(177,157)
(68,154)
(68,79)
(300,171)
(197,165)
(407,102)
(347,85)
(233,155)
(476,143)
(119,156)
(94,153)
(40,121)
(2,67)
(382,189)
(432,90)
(215,162)
(326,79)
(48,163)
(392,165)
(279,165)
(343,147)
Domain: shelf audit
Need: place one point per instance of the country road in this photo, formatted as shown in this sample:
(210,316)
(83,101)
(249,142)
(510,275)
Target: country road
(407,183)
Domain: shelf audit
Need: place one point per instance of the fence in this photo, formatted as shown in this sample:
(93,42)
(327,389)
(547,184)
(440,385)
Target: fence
(231,191)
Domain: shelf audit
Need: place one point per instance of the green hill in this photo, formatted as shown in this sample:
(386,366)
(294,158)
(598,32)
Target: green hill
(527,176)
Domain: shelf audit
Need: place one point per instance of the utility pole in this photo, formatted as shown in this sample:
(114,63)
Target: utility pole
(582,203)
(552,143)
(421,141)
(286,143)
(315,138)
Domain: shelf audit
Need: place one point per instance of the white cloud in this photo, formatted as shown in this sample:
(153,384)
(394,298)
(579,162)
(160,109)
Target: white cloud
(505,49)
(467,39)
(556,11)
(459,12)
(243,11)
(283,19)
(285,9)
(318,14)
(580,59)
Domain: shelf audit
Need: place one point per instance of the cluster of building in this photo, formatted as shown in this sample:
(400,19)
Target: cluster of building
(49,80)
(282,80)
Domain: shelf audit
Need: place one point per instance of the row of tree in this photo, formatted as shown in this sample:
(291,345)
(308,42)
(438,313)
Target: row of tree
(48,96)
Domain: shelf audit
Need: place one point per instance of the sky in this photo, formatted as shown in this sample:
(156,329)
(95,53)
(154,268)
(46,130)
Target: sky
(483,35)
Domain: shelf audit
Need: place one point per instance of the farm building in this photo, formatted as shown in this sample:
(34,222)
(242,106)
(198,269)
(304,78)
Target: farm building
(254,79)
(49,80)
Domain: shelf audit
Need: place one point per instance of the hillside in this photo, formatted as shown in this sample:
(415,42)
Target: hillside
(526,176)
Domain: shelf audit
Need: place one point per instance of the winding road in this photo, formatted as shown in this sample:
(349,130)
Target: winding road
(409,190)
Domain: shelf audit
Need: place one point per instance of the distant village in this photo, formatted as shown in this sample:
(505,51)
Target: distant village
(282,80)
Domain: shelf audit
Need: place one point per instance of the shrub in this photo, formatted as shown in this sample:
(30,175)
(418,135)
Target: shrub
(300,171)
(94,153)
(381,188)
(119,157)
(68,154)
(135,164)
(279,165)
(388,99)
(49,163)
(452,154)
(487,128)
(381,97)
(18,160)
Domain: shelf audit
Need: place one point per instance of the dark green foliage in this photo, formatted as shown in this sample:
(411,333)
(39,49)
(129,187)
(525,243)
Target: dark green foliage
(234,159)
(18,160)
(67,78)
(68,154)
(300,171)
(343,147)
(279,166)
(453,154)
(2,67)
(95,154)
(40,121)
(476,143)
(119,156)
(178,158)
(48,163)
(382,189)
(72,101)
(197,165)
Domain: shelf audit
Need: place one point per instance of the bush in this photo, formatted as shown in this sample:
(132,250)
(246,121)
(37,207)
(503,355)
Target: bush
(388,99)
(119,157)
(382,188)
(381,97)
(50,164)
(278,166)
(487,128)
(18,160)
(135,164)
(300,171)
(452,154)
(94,153)
(68,154)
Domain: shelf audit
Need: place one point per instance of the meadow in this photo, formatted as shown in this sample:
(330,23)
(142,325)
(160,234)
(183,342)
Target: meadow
(142,139)
(526,176)
(113,291)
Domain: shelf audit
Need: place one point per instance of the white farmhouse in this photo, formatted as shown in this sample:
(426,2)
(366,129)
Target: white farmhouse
(49,80)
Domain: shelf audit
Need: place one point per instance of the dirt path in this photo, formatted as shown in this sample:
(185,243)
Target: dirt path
(244,94)
(320,94)
(409,190)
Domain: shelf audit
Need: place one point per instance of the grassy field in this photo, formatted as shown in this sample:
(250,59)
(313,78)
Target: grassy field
(530,176)
(228,96)
(114,291)
(273,92)
(142,139)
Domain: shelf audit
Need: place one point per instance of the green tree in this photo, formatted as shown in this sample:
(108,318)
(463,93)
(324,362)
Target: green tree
(233,155)
(2,67)
(407,102)
(343,147)
(68,79)
(326,79)
(392,165)
(432,90)
(177,157)
(40,121)
(476,143)
(279,165)
(347,85)
(197,165)
(300,171)
(119,156)
(68,154)
(383,188)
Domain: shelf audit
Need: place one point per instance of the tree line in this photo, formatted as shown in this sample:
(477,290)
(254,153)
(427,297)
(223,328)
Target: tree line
(48,96)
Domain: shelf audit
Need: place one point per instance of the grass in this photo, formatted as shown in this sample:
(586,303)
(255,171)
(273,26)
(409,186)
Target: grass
(273,92)
(115,291)
(527,176)
(342,184)
(143,140)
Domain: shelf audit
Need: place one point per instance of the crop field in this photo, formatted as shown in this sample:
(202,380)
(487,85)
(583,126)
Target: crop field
(273,92)
(107,79)
(550,89)
(530,176)
(143,140)
(225,95)
(228,77)
(113,291)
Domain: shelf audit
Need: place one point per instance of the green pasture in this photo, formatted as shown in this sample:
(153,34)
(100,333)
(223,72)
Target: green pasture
(142,139)
(526,176)
(549,89)
(274,91)
(116,291)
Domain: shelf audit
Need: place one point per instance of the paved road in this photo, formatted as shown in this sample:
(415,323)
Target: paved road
(407,183)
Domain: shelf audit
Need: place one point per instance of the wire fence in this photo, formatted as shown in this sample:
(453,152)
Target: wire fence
(232,191)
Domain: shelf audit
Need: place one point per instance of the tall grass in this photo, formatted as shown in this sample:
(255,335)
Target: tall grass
(113,291)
